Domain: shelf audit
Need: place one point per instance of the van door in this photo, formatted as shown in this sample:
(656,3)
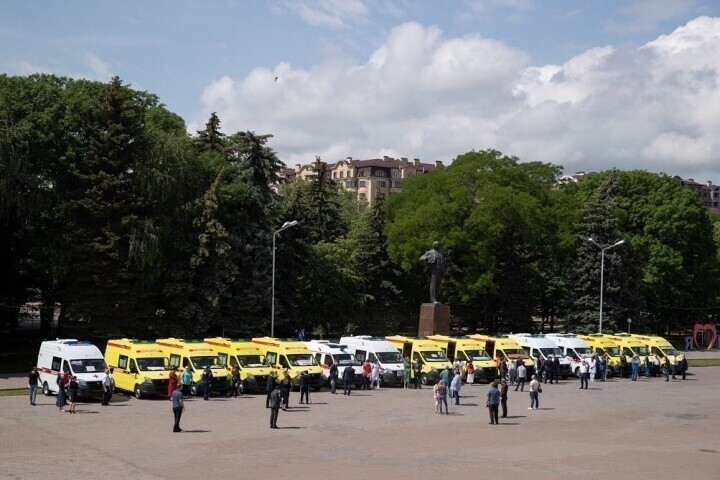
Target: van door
(450,351)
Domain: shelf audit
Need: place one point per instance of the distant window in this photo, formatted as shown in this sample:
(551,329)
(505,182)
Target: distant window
(362,183)
(380,173)
(381,184)
(342,174)
(122,362)
(334,174)
(396,173)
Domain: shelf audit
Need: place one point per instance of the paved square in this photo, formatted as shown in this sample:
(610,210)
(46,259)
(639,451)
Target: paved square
(615,430)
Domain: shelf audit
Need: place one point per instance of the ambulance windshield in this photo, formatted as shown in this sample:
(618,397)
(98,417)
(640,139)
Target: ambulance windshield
(87,365)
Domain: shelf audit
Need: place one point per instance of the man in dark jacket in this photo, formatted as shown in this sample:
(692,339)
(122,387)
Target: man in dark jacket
(207,377)
(274,398)
(333,376)
(348,379)
(270,385)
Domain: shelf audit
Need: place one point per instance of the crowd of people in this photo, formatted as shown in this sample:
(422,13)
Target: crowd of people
(511,373)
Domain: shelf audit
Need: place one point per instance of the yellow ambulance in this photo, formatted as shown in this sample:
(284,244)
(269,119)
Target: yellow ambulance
(504,348)
(602,344)
(659,346)
(464,349)
(425,351)
(290,355)
(247,356)
(197,355)
(630,346)
(140,366)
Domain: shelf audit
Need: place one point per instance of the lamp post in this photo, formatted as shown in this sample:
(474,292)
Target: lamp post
(629,322)
(285,226)
(602,272)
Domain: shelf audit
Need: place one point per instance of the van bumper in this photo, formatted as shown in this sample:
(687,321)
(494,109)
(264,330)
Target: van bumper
(90,389)
(392,378)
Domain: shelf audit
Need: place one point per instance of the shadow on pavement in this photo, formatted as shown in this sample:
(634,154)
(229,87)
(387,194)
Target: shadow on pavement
(195,431)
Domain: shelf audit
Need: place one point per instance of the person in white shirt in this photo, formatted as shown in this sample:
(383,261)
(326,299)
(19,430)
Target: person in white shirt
(512,372)
(534,394)
(107,387)
(455,386)
(592,367)
(584,369)
(375,374)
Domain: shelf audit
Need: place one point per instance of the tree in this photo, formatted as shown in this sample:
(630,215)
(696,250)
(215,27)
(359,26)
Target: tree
(493,217)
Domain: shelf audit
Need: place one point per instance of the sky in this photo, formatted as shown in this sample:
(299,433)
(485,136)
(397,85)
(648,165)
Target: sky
(584,84)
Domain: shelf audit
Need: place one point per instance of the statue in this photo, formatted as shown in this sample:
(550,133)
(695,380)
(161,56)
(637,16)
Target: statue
(435,266)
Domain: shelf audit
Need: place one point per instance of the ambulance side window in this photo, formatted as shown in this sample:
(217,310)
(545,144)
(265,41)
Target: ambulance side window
(123,362)
(627,352)
(417,357)
(360,355)
(270,358)
(318,358)
(174,361)
(56,363)
(372,357)
(460,355)
(233,361)
(600,351)
(223,359)
(328,360)
(283,361)
(133,367)
(66,367)
(185,362)
(657,351)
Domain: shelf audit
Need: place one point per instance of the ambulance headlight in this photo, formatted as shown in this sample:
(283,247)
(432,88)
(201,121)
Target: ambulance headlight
(147,380)
(250,377)
(82,383)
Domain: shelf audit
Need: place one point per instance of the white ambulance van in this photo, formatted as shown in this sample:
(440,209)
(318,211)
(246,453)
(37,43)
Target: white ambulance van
(366,347)
(540,346)
(575,349)
(79,358)
(326,353)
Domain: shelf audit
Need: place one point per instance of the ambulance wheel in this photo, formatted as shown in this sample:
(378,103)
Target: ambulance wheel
(138,392)
(194,390)
(424,379)
(46,389)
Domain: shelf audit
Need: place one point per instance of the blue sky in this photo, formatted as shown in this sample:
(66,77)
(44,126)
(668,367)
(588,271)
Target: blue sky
(584,84)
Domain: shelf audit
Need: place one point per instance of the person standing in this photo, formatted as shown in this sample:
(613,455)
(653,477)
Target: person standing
(656,365)
(445,376)
(417,373)
(470,371)
(73,388)
(285,387)
(683,366)
(275,398)
(366,370)
(172,382)
(207,376)
(556,368)
(521,373)
(602,367)
(333,376)
(270,385)
(304,387)
(375,375)
(512,372)
(674,364)
(666,369)
(503,397)
(178,406)
(348,379)
(647,365)
(583,370)
(440,392)
(623,365)
(493,401)
(455,386)
(502,368)
(592,368)
(406,373)
(534,394)
(60,401)
(235,381)
(186,378)
(107,388)
(634,365)
(33,378)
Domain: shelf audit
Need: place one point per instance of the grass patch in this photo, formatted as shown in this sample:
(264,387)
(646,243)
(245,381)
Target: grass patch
(703,362)
(13,392)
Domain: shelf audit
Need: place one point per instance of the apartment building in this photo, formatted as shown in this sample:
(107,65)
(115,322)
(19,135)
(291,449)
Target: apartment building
(709,193)
(368,179)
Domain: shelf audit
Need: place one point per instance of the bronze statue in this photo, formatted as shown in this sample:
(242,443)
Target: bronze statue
(435,267)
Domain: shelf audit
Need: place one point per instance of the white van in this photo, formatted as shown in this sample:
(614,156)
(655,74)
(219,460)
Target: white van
(326,352)
(575,349)
(79,358)
(540,346)
(366,347)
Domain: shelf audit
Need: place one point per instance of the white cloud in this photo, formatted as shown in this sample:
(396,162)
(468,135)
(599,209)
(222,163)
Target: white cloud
(422,95)
(328,13)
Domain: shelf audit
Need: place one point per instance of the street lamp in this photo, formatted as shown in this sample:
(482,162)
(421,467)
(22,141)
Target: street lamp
(629,322)
(602,272)
(285,226)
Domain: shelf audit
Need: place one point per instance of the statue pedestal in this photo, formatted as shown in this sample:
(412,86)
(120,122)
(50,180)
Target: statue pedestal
(434,320)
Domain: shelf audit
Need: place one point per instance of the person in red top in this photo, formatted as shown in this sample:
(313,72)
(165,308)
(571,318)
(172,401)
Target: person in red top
(367,368)
(172,383)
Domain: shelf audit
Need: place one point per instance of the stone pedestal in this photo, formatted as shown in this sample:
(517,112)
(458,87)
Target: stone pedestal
(434,320)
